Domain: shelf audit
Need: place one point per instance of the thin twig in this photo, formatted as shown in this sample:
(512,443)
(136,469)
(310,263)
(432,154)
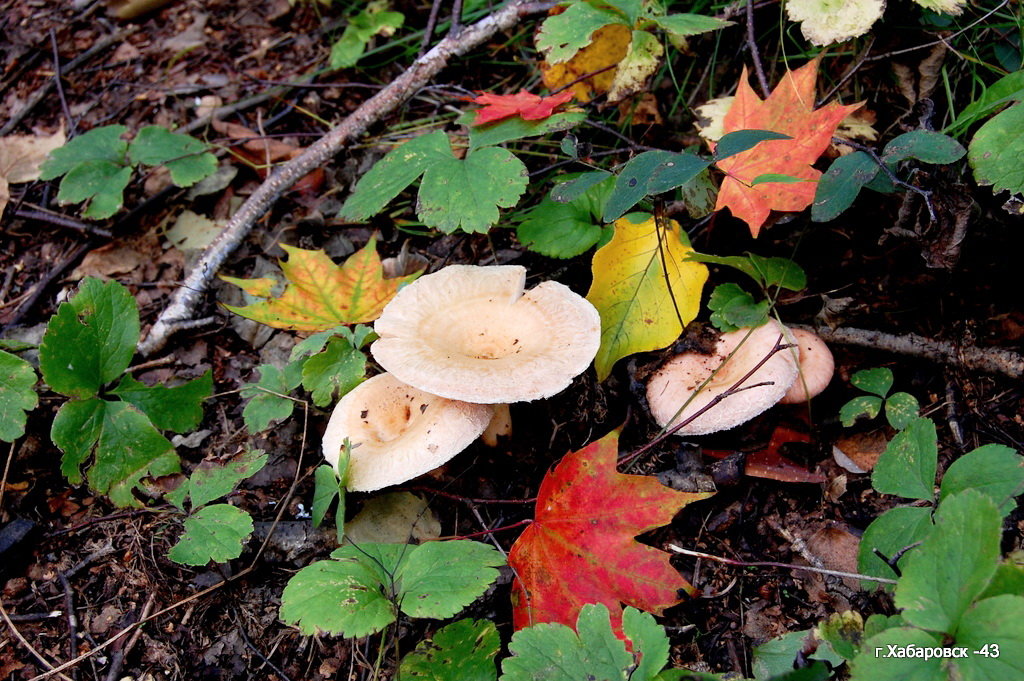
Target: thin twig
(40,214)
(40,286)
(57,83)
(35,653)
(69,611)
(785,566)
(117,659)
(755,54)
(925,194)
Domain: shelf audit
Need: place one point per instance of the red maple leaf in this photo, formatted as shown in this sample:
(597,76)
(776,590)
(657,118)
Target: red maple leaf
(770,463)
(526,105)
(581,549)
(789,109)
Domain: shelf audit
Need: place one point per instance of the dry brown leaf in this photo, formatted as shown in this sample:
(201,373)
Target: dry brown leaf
(20,158)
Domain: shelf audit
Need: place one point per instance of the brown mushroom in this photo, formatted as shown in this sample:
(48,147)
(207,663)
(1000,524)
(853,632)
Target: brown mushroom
(815,366)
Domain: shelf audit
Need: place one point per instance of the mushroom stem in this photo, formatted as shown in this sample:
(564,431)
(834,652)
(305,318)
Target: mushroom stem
(500,426)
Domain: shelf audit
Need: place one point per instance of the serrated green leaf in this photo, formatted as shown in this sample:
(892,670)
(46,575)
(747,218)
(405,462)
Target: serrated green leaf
(865,405)
(683,25)
(178,409)
(954,564)
(214,533)
(649,640)
(900,409)
(99,144)
(438,579)
(570,190)
(563,35)
(516,128)
(266,396)
(565,230)
(91,339)
(733,308)
(994,622)
(338,369)
(211,480)
(463,650)
(874,381)
(631,182)
(17,395)
(466,193)
(871,667)
(907,466)
(184,156)
(744,140)
(996,149)
(76,430)
(994,470)
(923,145)
(890,533)
(101,183)
(839,186)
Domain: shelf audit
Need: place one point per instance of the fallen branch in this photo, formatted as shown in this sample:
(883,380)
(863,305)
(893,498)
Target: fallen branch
(186,297)
(990,360)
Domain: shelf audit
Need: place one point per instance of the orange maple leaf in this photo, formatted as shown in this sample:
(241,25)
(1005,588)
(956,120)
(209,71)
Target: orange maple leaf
(526,105)
(789,109)
(581,549)
(321,295)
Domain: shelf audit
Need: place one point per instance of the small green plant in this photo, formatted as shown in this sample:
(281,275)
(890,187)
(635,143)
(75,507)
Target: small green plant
(731,306)
(900,408)
(360,29)
(98,165)
(17,394)
(87,346)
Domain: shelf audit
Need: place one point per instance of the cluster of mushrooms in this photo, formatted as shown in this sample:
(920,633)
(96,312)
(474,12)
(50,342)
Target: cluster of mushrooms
(462,343)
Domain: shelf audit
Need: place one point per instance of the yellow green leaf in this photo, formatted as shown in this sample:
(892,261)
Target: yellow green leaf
(644,288)
(319,294)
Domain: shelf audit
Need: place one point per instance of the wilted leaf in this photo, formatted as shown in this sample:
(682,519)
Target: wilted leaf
(645,289)
(595,63)
(525,105)
(641,61)
(394,517)
(17,395)
(824,23)
(213,533)
(213,480)
(564,34)
(321,295)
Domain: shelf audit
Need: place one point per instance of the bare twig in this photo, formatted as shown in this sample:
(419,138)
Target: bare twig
(785,566)
(185,299)
(755,54)
(57,83)
(117,658)
(40,214)
(28,646)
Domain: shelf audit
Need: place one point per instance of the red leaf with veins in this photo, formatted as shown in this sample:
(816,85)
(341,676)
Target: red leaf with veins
(528,106)
(581,547)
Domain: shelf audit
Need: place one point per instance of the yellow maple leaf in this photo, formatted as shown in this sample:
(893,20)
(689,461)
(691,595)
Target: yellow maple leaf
(321,295)
(644,287)
(600,59)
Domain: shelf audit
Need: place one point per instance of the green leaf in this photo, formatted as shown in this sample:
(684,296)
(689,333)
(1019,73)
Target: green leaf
(463,650)
(923,145)
(900,409)
(996,150)
(266,403)
(466,193)
(565,230)
(629,9)
(682,25)
(994,470)
(733,308)
(438,579)
(126,446)
(649,640)
(358,32)
(699,195)
(873,665)
(178,409)
(211,481)
(943,576)
(17,395)
(744,140)
(563,35)
(778,178)
(844,631)
(992,622)
(874,381)
(631,183)
(326,487)
(101,183)
(675,171)
(337,369)
(641,62)
(776,657)
(185,157)
(516,128)
(91,339)
(767,272)
(890,533)
(571,190)
(865,405)
(554,652)
(99,144)
(214,533)
(839,186)
(1008,579)
(1009,88)
(907,466)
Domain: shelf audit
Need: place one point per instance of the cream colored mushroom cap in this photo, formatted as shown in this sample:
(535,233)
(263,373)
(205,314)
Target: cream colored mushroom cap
(470,333)
(398,432)
(675,382)
(816,367)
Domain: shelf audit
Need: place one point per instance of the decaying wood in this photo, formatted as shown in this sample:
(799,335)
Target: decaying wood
(188,295)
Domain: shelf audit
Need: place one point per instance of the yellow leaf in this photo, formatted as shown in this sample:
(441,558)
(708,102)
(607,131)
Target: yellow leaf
(608,47)
(321,295)
(644,288)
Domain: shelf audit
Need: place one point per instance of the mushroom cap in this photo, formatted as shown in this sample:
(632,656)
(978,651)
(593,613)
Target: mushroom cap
(398,432)
(678,379)
(816,367)
(470,333)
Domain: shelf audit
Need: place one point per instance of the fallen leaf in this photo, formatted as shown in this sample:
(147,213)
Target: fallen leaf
(261,152)
(770,463)
(393,518)
(789,109)
(645,288)
(581,549)
(641,61)
(593,66)
(20,158)
(823,22)
(321,295)
(526,105)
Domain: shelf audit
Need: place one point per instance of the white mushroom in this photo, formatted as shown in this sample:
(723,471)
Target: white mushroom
(679,381)
(471,333)
(398,432)
(816,367)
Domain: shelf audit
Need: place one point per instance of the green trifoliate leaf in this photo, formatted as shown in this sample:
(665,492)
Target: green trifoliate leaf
(869,666)
(565,230)
(952,567)
(372,21)
(868,406)
(900,409)
(874,381)
(185,157)
(839,186)
(90,341)
(996,150)
(17,395)
(890,533)
(463,650)
(994,470)
(995,625)
(178,409)
(338,369)
(99,144)
(358,337)
(266,396)
(438,579)
(907,466)
(101,183)
(214,533)
(925,146)
(126,446)
(733,308)
(211,480)
(563,35)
